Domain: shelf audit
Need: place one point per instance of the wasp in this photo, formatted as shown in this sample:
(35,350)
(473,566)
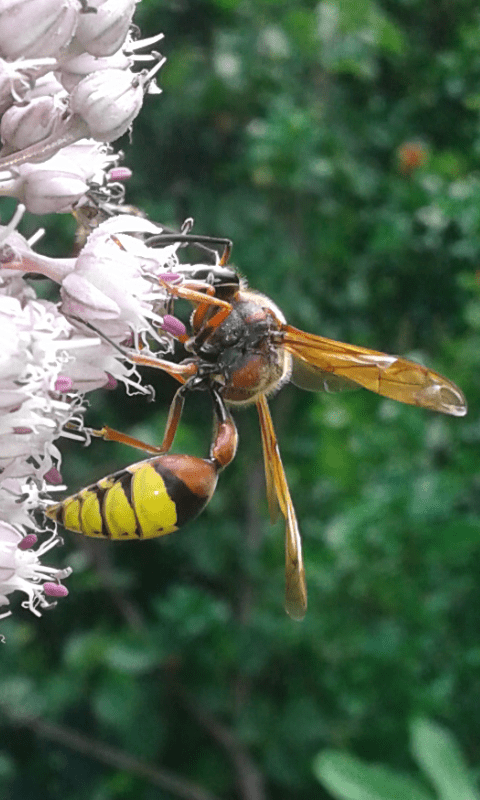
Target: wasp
(241,350)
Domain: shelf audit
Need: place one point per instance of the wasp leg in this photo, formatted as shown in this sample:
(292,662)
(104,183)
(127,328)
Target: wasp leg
(224,446)
(194,295)
(174,416)
(206,328)
(111,435)
(181,372)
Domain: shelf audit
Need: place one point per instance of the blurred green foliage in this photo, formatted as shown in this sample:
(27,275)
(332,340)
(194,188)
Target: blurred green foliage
(338,145)
(434,749)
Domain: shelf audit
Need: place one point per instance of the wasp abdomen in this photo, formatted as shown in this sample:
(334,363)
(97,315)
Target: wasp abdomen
(151,498)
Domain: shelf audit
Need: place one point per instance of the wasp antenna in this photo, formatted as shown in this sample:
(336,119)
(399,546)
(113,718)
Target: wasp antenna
(204,243)
(100,333)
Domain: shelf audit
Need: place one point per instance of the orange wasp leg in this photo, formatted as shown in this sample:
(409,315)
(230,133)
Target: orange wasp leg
(181,372)
(174,416)
(185,292)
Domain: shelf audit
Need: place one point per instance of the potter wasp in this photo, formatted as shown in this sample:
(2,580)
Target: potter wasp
(241,349)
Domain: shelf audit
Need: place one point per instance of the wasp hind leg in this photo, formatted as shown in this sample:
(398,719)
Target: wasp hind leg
(156,496)
(174,416)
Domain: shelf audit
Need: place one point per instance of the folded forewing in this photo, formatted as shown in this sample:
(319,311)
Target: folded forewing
(390,376)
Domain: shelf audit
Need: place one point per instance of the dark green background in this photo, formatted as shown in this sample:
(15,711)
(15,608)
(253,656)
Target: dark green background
(281,126)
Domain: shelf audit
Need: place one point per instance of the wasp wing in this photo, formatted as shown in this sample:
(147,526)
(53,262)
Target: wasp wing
(270,480)
(295,589)
(390,376)
(314,379)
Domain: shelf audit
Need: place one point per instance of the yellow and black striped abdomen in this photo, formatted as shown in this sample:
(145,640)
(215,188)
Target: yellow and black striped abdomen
(148,499)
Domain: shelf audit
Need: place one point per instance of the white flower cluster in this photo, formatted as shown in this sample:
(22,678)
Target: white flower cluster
(67,89)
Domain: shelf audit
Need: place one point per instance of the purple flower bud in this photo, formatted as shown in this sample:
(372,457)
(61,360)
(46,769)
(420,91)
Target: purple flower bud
(75,69)
(28,541)
(53,476)
(63,384)
(173,325)
(31,28)
(45,86)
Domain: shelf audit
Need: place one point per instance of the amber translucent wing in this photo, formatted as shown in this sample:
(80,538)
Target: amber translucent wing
(314,379)
(389,376)
(272,498)
(295,589)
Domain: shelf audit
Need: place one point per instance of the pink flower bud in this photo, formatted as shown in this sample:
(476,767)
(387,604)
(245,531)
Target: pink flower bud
(111,383)
(28,541)
(63,384)
(108,101)
(120,174)
(30,28)
(22,126)
(82,298)
(103,33)
(173,325)
(53,476)
(55,589)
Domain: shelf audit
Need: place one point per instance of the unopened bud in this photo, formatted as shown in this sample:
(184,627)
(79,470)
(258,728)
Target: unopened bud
(75,69)
(30,28)
(108,101)
(103,33)
(45,86)
(22,126)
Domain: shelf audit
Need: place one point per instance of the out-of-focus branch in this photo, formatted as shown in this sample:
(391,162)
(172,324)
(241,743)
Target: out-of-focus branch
(101,558)
(118,759)
(250,781)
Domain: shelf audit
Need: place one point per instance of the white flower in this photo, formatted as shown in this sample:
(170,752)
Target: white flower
(17,77)
(114,284)
(62,181)
(21,570)
(32,358)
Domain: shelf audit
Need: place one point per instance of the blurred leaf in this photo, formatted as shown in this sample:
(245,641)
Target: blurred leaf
(439,754)
(349,778)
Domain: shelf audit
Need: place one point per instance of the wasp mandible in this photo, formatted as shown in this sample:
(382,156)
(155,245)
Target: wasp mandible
(241,350)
